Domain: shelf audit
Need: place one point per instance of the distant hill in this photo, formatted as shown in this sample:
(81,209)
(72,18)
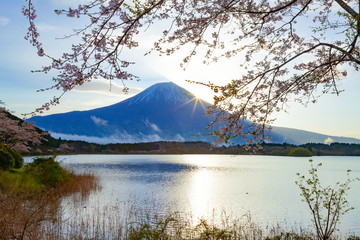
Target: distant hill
(296,136)
(162,112)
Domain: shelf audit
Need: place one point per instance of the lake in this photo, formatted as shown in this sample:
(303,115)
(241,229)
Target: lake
(206,185)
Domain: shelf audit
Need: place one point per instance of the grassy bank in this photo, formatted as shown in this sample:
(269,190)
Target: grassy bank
(31,196)
(45,174)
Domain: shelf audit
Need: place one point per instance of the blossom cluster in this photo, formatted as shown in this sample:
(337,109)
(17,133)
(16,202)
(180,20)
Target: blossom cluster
(18,134)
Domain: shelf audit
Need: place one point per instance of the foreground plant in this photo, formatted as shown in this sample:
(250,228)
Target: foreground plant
(327,204)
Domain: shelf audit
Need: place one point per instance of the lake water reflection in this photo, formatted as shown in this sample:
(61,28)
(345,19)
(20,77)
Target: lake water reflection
(201,184)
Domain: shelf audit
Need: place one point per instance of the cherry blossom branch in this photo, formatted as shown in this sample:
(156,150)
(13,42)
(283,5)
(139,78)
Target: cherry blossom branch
(280,64)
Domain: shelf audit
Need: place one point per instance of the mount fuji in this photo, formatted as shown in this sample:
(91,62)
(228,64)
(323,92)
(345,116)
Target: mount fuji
(162,112)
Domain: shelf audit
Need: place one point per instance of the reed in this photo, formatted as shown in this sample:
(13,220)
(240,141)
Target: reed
(177,226)
(46,216)
(80,185)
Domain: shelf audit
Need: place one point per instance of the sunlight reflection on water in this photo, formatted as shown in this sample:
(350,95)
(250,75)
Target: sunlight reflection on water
(201,184)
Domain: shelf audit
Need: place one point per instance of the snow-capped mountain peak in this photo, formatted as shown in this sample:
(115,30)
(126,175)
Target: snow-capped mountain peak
(160,92)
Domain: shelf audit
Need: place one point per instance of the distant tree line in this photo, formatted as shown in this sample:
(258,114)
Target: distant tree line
(59,146)
(63,146)
(312,149)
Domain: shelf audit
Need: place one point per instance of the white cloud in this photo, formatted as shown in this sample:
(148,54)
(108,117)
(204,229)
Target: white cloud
(106,87)
(120,137)
(45,27)
(4,21)
(179,138)
(99,121)
(91,139)
(149,138)
(68,3)
(153,126)
(329,140)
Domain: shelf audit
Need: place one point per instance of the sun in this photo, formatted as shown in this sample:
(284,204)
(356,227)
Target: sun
(201,92)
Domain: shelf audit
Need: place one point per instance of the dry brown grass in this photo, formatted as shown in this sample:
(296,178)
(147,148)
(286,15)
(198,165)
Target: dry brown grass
(80,184)
(25,215)
(22,214)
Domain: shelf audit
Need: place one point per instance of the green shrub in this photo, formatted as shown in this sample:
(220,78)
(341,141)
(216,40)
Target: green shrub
(300,152)
(10,158)
(19,160)
(17,181)
(7,161)
(208,231)
(157,231)
(289,236)
(353,238)
(48,171)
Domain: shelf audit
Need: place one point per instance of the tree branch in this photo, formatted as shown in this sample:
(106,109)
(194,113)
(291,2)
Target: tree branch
(347,8)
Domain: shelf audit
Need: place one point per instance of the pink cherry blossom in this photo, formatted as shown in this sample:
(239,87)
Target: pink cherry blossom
(288,47)
(17,134)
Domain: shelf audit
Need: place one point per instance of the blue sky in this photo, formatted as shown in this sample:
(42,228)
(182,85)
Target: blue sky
(332,115)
